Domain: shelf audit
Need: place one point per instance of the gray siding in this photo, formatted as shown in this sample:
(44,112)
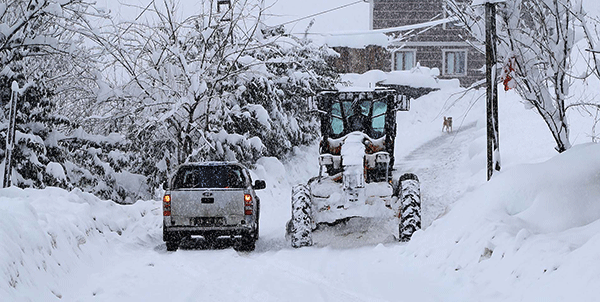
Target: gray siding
(353,60)
(392,13)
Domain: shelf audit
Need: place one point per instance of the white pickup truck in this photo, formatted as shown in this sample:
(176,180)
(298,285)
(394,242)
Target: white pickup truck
(212,199)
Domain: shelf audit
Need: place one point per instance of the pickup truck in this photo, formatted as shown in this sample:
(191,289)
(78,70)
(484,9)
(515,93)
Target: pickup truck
(212,199)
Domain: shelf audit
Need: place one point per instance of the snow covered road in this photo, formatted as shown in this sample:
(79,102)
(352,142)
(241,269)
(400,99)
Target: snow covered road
(360,261)
(439,165)
(363,274)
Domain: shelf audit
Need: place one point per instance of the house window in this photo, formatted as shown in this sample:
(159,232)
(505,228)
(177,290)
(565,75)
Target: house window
(404,60)
(455,62)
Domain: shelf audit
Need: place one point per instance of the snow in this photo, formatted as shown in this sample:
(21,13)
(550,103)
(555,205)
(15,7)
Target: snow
(379,37)
(352,39)
(132,183)
(530,234)
(262,115)
(112,138)
(49,234)
(419,76)
(352,149)
(56,170)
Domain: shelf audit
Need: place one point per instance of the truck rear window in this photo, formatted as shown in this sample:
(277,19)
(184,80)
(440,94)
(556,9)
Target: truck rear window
(209,177)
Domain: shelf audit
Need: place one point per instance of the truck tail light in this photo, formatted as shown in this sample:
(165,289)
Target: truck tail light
(167,205)
(247,204)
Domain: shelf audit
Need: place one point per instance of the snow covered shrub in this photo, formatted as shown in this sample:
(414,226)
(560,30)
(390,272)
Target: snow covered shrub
(44,156)
(99,165)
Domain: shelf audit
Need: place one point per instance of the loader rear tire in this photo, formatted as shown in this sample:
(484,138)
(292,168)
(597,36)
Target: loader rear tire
(300,226)
(410,207)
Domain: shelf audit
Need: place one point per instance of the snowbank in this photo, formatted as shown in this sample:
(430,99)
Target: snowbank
(49,234)
(533,231)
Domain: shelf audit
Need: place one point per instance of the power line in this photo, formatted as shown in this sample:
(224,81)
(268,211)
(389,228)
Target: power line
(320,13)
(387,30)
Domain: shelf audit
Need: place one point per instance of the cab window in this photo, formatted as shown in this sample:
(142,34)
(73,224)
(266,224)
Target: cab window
(378,121)
(337,122)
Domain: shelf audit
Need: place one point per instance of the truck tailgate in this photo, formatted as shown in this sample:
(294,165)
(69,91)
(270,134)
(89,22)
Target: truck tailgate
(207,202)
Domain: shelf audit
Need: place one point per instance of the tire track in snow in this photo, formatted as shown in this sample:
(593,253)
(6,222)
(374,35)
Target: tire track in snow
(438,164)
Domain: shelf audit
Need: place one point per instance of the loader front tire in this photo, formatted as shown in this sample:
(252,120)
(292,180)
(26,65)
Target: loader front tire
(300,226)
(410,207)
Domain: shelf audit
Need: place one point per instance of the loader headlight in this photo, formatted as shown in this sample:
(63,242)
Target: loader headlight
(326,159)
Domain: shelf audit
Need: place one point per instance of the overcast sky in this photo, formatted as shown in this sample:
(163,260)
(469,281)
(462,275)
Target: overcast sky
(353,17)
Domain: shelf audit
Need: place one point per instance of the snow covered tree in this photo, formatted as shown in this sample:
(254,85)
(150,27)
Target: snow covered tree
(214,86)
(536,38)
(41,48)
(591,31)
(29,35)
(34,108)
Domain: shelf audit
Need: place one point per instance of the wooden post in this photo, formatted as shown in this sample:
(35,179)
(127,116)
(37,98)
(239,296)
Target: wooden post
(493,139)
(10,136)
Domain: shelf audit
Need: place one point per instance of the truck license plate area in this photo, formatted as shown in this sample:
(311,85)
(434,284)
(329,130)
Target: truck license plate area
(207,200)
(208,221)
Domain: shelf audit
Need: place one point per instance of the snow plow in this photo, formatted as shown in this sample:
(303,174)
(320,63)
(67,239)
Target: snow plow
(358,131)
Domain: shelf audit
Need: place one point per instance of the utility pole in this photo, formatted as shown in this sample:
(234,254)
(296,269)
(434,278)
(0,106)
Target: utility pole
(10,136)
(493,138)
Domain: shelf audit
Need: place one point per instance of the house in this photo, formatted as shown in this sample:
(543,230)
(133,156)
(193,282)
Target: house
(442,46)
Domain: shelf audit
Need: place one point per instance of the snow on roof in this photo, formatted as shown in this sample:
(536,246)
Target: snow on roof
(417,77)
(351,39)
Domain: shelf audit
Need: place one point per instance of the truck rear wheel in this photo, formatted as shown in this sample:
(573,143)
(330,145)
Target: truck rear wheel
(172,245)
(300,226)
(171,239)
(248,244)
(410,208)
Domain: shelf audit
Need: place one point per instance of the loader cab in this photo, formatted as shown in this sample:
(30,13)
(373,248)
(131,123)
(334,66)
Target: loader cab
(370,112)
